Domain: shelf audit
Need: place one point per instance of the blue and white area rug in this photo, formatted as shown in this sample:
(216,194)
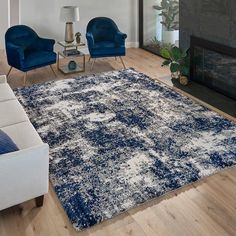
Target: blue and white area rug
(119,139)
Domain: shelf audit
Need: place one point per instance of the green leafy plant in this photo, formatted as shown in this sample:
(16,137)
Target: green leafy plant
(177,59)
(169,12)
(166,47)
(154,42)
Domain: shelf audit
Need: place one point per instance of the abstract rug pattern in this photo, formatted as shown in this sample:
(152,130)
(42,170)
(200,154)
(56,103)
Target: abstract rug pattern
(119,139)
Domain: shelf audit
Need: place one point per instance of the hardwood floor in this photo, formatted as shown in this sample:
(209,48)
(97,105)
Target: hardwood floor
(204,208)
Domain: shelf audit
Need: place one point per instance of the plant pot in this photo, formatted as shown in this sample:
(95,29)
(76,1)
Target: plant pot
(170,36)
(183,80)
(175,75)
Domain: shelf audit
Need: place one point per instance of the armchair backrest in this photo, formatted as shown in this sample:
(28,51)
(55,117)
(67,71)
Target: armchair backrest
(102,28)
(20,35)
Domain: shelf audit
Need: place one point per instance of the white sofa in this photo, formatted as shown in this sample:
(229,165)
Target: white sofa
(24,173)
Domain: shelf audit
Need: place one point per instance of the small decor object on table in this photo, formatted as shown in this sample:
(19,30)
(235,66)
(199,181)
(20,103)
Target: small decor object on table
(78,37)
(179,62)
(74,59)
(72,65)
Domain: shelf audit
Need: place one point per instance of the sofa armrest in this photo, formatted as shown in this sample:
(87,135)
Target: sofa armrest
(23,175)
(3,79)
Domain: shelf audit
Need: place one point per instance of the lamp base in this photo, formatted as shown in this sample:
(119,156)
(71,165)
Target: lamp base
(69,33)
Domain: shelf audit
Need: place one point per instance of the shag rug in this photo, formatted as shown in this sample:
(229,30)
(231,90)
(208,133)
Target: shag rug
(119,139)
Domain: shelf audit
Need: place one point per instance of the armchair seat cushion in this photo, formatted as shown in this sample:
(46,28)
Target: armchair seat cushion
(34,58)
(108,52)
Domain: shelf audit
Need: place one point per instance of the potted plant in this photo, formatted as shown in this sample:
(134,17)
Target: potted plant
(155,45)
(179,62)
(170,15)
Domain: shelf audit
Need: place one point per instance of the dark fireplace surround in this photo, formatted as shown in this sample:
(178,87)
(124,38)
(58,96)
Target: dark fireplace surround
(213,65)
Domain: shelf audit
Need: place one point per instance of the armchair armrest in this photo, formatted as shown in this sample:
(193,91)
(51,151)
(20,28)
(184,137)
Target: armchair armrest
(90,39)
(44,44)
(120,38)
(15,55)
(17,50)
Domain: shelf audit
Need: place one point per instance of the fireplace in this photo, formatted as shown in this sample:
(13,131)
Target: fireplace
(213,65)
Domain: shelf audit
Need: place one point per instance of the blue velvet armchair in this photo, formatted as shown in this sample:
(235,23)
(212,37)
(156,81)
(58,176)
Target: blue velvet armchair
(105,39)
(27,51)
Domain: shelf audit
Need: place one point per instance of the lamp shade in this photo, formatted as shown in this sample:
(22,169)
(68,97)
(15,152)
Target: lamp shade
(69,14)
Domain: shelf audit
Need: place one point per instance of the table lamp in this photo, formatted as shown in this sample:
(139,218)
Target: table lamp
(69,14)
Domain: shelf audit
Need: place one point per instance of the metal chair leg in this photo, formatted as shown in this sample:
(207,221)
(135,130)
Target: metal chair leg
(53,71)
(25,76)
(122,62)
(9,71)
(92,64)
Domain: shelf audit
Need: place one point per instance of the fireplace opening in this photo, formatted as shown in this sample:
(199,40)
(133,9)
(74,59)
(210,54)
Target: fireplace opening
(213,65)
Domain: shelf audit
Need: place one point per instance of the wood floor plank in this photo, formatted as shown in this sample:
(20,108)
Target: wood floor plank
(205,208)
(150,223)
(204,224)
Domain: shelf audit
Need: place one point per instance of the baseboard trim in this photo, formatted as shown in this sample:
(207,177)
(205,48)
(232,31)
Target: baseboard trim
(132,44)
(85,48)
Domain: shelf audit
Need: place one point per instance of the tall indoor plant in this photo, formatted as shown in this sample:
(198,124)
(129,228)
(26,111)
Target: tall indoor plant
(169,10)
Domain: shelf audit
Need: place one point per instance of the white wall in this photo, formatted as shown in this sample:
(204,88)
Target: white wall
(4,20)
(43,16)
(14,12)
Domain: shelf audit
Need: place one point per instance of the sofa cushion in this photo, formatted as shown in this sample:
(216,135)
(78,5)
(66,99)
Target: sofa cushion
(23,134)
(6,143)
(3,79)
(6,93)
(11,113)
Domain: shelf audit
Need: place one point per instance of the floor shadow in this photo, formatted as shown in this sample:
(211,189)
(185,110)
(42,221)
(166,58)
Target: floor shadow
(215,99)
